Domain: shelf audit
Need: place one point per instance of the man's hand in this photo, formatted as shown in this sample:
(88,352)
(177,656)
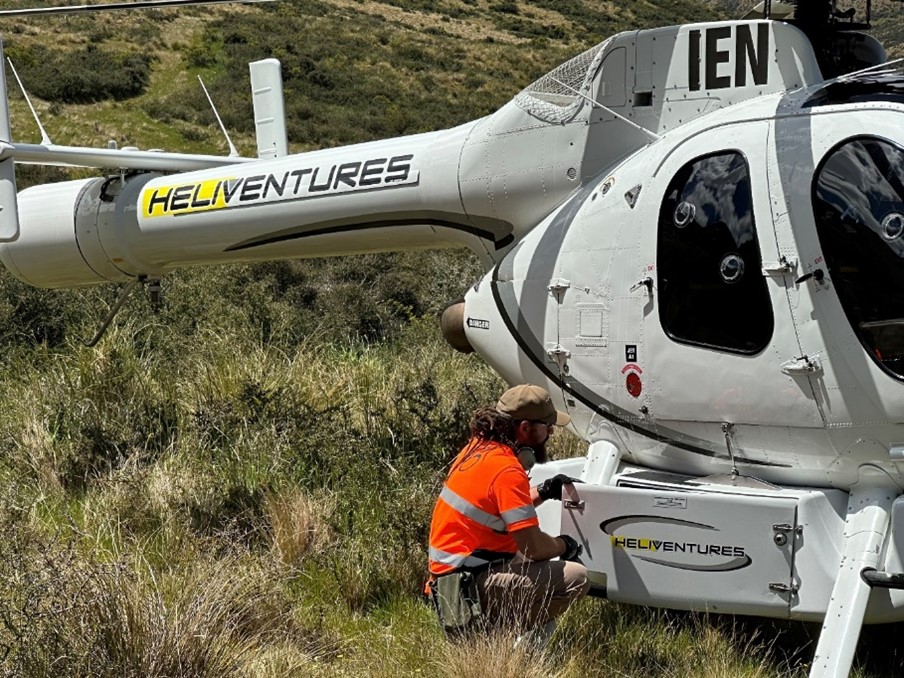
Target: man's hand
(572,548)
(551,488)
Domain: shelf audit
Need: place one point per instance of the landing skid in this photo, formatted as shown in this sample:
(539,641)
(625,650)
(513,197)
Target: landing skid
(865,529)
(738,545)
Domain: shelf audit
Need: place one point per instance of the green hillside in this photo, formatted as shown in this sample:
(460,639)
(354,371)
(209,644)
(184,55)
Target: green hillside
(353,71)
(239,483)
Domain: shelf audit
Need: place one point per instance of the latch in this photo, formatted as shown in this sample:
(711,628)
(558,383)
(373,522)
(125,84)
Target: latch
(804,365)
(781,267)
(817,274)
(782,530)
(780,587)
(646,282)
(573,504)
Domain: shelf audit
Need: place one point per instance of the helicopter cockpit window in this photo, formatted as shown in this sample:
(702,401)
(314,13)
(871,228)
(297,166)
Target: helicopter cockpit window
(712,291)
(858,201)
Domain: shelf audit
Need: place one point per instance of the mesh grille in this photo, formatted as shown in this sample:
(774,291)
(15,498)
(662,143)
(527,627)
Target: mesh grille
(553,98)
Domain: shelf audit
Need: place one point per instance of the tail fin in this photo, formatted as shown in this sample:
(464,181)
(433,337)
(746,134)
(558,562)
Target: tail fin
(269,109)
(9,211)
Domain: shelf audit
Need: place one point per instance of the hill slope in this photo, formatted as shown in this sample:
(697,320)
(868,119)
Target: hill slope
(353,70)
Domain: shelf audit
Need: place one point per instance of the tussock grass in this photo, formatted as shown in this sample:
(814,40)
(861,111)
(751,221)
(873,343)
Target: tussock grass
(216,618)
(64,614)
(299,525)
(471,658)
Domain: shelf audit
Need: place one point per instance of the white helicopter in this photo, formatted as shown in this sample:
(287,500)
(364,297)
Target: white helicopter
(694,239)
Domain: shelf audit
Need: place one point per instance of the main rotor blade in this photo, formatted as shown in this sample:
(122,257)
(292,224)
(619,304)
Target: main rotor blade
(137,4)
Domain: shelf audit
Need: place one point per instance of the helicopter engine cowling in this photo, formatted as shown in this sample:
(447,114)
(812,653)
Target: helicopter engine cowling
(74,233)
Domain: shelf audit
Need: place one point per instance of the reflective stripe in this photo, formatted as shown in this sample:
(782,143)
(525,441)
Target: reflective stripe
(516,515)
(468,509)
(455,560)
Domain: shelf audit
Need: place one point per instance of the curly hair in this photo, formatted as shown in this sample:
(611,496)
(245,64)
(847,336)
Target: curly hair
(490,425)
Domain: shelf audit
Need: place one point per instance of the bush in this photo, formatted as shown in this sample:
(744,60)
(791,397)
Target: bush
(82,76)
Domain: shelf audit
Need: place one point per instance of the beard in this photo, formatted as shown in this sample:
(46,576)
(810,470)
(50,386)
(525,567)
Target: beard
(540,452)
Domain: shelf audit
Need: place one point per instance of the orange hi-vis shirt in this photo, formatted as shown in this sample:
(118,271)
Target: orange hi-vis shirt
(486,497)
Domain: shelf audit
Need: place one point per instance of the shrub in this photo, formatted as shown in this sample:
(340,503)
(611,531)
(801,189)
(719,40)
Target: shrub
(505,7)
(82,76)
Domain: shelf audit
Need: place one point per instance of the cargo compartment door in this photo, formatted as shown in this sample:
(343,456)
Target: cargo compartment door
(721,552)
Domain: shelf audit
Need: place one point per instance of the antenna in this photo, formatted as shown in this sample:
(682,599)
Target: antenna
(44,138)
(232,150)
(138,4)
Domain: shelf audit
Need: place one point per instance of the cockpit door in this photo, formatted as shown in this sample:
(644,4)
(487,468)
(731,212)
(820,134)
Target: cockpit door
(838,209)
(724,335)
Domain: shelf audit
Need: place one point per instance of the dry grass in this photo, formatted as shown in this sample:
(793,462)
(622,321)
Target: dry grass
(216,619)
(471,658)
(62,613)
(298,525)
(475,29)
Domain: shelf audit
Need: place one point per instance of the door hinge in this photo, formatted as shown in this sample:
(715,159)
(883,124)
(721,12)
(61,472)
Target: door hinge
(783,266)
(805,365)
(782,530)
(781,587)
(557,286)
(558,355)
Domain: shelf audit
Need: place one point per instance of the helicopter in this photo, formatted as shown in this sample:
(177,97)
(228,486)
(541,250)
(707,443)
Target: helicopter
(692,237)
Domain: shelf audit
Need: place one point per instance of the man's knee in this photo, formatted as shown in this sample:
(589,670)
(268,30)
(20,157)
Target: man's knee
(570,580)
(576,579)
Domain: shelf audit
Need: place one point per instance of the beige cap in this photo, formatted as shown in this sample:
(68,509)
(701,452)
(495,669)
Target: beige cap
(532,403)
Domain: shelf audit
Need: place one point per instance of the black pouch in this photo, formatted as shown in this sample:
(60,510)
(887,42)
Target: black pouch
(456,601)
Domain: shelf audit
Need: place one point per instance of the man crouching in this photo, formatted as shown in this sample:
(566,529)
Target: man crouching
(489,560)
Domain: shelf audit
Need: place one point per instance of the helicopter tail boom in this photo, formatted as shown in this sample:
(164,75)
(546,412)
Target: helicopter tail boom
(390,195)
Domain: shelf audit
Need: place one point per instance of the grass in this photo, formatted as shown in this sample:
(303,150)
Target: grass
(288,548)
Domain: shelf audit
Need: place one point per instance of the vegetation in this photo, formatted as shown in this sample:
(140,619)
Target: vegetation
(82,76)
(240,482)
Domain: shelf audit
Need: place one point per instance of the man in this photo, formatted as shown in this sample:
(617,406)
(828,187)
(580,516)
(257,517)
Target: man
(485,521)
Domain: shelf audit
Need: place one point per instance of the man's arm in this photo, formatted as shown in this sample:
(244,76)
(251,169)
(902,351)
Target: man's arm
(534,544)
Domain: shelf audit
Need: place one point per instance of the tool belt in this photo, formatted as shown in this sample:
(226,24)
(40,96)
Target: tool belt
(456,601)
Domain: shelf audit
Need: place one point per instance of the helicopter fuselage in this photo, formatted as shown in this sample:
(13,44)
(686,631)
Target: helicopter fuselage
(686,304)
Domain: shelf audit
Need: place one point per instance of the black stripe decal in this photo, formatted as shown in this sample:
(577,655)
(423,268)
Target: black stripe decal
(263,240)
